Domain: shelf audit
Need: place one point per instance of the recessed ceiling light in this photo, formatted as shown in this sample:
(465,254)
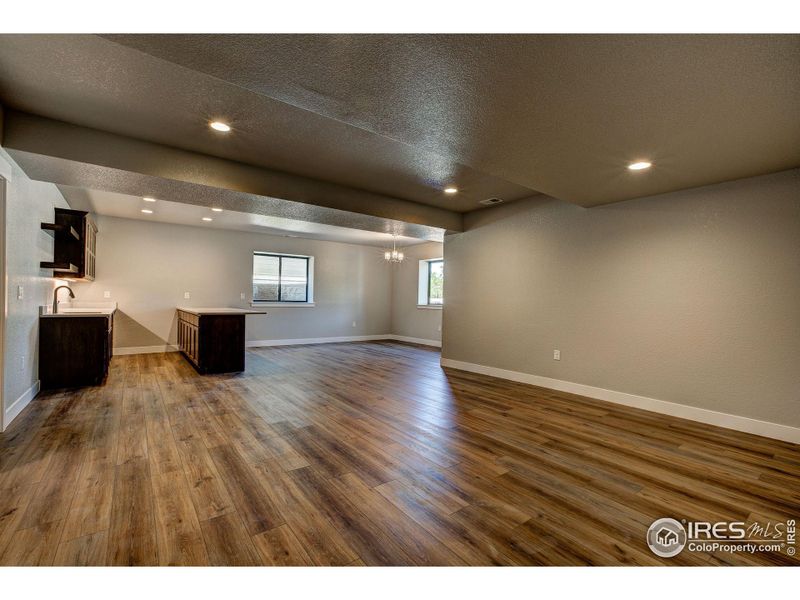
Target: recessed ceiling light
(149,199)
(220,126)
(450,190)
(207,219)
(217,209)
(638,166)
(147,211)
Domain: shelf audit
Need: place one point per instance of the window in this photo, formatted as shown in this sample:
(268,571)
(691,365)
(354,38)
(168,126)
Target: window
(431,283)
(284,278)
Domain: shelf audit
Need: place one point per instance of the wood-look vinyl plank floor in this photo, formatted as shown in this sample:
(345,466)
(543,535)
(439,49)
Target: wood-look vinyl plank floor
(365,454)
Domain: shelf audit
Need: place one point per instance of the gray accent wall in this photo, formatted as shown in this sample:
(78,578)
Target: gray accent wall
(147,267)
(691,297)
(28,203)
(408,319)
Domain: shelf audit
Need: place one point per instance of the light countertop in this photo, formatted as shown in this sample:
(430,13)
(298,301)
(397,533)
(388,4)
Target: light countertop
(80,309)
(217,310)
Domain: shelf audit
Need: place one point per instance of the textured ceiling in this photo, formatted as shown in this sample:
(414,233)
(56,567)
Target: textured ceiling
(67,154)
(179,213)
(90,81)
(561,114)
(403,116)
(87,177)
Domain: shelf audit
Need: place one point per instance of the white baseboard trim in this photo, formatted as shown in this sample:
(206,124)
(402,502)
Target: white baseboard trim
(413,340)
(145,349)
(322,340)
(343,338)
(287,342)
(692,413)
(16,407)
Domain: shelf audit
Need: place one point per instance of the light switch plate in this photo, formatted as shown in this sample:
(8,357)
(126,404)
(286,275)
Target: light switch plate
(106,294)
(186,295)
(242,296)
(556,354)
(20,292)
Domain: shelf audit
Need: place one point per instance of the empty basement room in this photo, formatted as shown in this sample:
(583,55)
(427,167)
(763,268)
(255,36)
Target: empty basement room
(399,300)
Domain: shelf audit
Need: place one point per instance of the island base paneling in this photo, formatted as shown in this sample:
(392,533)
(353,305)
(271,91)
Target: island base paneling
(212,343)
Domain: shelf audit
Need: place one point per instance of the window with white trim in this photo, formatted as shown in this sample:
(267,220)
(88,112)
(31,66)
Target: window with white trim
(283,278)
(431,283)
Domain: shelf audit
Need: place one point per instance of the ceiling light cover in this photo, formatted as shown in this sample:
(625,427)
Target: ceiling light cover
(207,219)
(149,199)
(640,165)
(217,209)
(220,126)
(147,211)
(450,190)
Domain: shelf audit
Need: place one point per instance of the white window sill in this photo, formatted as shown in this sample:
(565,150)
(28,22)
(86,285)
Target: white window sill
(430,306)
(292,304)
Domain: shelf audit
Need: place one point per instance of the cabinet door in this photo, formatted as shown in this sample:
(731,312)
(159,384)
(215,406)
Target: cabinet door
(194,334)
(188,340)
(72,351)
(90,248)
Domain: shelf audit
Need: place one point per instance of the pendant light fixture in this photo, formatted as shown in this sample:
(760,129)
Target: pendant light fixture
(394,255)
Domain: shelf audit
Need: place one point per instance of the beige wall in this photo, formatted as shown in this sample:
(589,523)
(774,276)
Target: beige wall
(691,297)
(28,203)
(148,266)
(407,319)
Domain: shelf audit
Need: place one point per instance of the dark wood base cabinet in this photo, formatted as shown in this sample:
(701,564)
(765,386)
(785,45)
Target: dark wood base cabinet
(212,343)
(74,351)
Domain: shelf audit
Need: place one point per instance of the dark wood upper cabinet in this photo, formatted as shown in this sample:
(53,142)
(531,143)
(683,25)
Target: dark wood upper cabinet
(74,245)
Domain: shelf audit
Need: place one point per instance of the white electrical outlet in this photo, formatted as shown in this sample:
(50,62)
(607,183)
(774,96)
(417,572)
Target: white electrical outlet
(440,328)
(354,323)
(556,354)
(186,295)
(20,292)
(106,294)
(242,296)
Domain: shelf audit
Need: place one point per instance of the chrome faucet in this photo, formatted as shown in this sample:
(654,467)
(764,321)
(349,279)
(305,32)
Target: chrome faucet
(55,296)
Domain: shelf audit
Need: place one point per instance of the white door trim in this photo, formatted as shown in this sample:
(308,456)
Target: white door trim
(3,286)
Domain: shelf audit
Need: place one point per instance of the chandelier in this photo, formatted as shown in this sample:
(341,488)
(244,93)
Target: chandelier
(394,255)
